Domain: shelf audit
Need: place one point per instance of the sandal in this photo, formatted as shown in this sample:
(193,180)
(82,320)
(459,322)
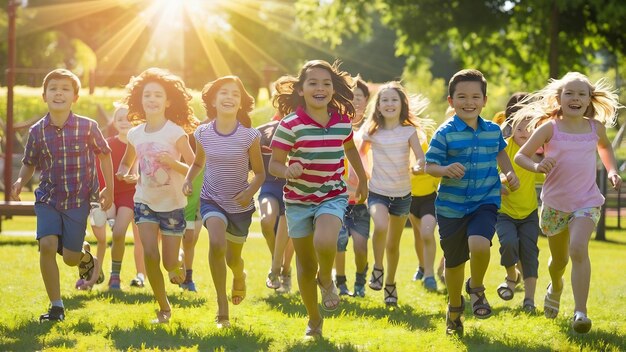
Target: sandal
(222,321)
(479,301)
(273,280)
(237,296)
(313,332)
(376,280)
(529,306)
(455,327)
(162,317)
(580,323)
(391,295)
(552,302)
(85,269)
(505,291)
(330,298)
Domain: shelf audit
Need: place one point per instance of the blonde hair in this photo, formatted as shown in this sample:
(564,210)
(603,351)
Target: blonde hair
(543,104)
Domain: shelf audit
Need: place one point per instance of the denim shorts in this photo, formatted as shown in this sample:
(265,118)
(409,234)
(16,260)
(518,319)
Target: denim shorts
(398,206)
(357,219)
(70,225)
(171,223)
(273,190)
(237,224)
(454,232)
(301,217)
(554,221)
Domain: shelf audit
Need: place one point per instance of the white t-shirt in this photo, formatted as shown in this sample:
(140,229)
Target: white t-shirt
(390,161)
(159,187)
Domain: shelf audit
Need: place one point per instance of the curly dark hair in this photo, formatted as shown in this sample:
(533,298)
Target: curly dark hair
(247,101)
(286,99)
(179,111)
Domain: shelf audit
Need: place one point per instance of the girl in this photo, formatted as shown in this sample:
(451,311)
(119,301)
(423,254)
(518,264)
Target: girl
(226,147)
(120,215)
(315,133)
(158,103)
(391,134)
(577,112)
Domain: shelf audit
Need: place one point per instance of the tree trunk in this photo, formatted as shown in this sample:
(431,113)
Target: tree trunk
(553,29)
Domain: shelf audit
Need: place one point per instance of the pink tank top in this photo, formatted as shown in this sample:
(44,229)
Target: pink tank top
(571,184)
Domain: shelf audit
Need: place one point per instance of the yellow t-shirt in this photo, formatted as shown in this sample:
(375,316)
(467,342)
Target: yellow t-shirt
(424,184)
(521,203)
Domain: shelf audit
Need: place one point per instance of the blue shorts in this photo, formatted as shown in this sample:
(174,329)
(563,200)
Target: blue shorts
(273,190)
(171,223)
(398,206)
(454,232)
(357,219)
(70,225)
(237,224)
(301,218)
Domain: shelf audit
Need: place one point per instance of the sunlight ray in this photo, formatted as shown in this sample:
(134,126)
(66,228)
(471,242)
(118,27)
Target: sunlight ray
(217,61)
(243,44)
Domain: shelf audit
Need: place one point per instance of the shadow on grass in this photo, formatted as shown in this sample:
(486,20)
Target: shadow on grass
(19,341)
(401,315)
(321,345)
(594,340)
(29,241)
(477,340)
(174,336)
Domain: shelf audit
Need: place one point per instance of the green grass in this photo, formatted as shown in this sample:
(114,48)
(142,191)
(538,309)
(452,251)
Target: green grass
(102,320)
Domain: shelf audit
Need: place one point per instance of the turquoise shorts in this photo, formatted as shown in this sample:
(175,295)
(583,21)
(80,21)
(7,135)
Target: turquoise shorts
(301,217)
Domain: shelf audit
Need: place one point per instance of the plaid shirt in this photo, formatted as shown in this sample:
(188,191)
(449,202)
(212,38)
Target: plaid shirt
(66,158)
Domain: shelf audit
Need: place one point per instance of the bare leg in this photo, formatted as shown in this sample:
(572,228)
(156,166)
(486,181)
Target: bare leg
(580,230)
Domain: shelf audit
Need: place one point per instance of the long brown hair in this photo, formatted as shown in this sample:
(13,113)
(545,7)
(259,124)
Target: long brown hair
(247,101)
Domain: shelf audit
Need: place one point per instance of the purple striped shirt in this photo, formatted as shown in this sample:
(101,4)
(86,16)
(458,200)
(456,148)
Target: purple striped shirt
(66,157)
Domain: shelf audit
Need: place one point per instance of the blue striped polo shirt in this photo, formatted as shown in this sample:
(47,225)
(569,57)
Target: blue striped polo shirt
(456,142)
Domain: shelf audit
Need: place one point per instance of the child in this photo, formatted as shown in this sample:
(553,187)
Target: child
(158,103)
(356,222)
(391,133)
(577,113)
(64,146)
(227,147)
(121,213)
(314,134)
(518,225)
(463,152)
(272,214)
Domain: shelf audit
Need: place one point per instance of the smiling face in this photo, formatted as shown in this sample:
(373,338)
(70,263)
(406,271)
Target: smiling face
(154,99)
(227,99)
(521,134)
(390,105)
(574,98)
(60,95)
(359,101)
(317,88)
(468,100)
(120,121)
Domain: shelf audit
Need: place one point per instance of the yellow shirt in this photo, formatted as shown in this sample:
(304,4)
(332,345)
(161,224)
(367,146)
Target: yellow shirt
(424,184)
(521,203)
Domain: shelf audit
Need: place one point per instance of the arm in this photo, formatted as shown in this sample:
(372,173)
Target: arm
(507,168)
(106,195)
(524,156)
(26,173)
(607,155)
(124,169)
(415,145)
(182,145)
(455,170)
(195,168)
(355,163)
(278,167)
(256,162)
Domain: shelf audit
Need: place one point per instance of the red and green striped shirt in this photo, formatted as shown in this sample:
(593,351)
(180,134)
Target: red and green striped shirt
(320,151)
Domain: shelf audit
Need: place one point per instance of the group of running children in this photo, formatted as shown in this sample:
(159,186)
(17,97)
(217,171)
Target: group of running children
(164,167)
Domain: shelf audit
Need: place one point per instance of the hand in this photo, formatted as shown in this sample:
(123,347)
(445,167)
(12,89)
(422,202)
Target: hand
(456,170)
(243,198)
(504,190)
(417,169)
(106,198)
(294,171)
(361,191)
(187,188)
(121,173)
(164,158)
(616,180)
(512,181)
(16,189)
(545,165)
(129,178)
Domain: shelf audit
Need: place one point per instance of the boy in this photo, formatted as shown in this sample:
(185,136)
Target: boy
(63,146)
(463,152)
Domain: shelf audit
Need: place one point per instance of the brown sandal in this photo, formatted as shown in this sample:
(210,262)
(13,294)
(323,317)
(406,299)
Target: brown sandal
(478,300)
(455,327)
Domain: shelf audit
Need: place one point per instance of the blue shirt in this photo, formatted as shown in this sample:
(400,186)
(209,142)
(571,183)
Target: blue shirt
(66,157)
(456,142)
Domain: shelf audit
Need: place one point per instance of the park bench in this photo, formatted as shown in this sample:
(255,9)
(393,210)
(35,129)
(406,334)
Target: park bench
(15,208)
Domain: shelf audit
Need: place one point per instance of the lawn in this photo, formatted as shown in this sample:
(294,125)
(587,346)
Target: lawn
(266,321)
